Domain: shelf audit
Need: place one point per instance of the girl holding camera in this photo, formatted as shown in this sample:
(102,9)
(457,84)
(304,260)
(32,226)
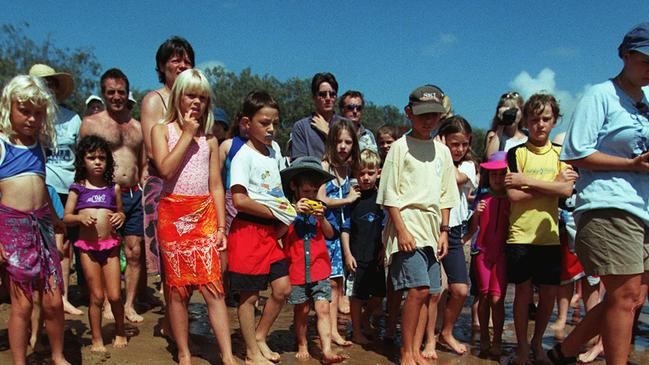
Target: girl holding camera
(506,129)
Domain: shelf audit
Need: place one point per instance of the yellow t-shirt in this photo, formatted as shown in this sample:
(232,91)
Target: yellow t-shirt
(418,177)
(535,221)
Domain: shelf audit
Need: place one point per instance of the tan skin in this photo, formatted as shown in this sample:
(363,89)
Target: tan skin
(96,224)
(193,108)
(324,107)
(26,193)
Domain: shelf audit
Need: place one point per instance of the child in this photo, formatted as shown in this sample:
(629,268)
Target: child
(27,218)
(191,215)
(490,221)
(385,136)
(340,158)
(535,181)
(255,257)
(363,248)
(456,133)
(304,241)
(95,204)
(418,189)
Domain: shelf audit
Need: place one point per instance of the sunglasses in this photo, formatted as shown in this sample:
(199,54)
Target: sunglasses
(510,95)
(352,107)
(327,94)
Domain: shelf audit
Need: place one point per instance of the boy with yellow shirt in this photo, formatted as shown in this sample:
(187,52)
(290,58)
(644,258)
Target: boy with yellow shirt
(535,182)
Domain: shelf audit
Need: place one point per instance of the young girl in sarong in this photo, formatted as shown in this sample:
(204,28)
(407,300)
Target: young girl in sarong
(95,204)
(27,219)
(191,215)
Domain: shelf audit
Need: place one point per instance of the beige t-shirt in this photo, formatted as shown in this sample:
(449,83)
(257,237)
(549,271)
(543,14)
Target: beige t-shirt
(418,177)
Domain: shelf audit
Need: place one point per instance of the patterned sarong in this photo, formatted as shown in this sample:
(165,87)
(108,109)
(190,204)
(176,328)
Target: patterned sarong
(152,190)
(28,241)
(188,244)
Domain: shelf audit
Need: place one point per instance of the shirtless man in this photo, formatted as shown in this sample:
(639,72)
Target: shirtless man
(124,135)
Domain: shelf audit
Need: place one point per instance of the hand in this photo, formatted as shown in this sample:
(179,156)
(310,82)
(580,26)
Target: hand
(354,194)
(442,245)
(318,213)
(515,180)
(190,124)
(87,220)
(641,163)
(221,241)
(350,263)
(117,219)
(302,207)
(320,123)
(59,226)
(482,205)
(406,241)
(567,174)
(441,139)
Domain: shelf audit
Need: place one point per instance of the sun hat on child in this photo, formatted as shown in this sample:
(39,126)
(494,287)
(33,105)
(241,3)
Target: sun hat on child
(497,161)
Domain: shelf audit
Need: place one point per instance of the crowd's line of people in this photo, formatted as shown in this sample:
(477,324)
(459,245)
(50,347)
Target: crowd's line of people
(346,214)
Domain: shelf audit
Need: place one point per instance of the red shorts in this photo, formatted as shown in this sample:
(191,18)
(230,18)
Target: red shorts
(252,247)
(571,269)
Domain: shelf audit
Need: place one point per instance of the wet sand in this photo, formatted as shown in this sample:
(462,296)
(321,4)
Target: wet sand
(147,347)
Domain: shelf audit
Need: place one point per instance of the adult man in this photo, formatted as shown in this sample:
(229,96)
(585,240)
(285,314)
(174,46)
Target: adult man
(124,135)
(309,133)
(351,106)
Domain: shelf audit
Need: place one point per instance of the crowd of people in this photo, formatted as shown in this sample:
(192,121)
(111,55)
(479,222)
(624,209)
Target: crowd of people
(346,221)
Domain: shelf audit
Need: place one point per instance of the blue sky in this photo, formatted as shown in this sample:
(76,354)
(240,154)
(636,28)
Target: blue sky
(474,50)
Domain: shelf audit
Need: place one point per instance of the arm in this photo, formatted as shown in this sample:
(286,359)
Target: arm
(118,218)
(599,161)
(442,243)
(474,221)
(167,162)
(244,204)
(298,141)
(151,113)
(217,191)
(337,203)
(460,177)
(492,142)
(59,226)
(350,261)
(521,187)
(405,240)
(72,219)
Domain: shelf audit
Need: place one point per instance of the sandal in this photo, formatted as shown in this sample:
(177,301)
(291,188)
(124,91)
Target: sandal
(557,357)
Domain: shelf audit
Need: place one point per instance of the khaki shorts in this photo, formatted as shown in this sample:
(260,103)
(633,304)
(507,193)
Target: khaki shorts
(612,242)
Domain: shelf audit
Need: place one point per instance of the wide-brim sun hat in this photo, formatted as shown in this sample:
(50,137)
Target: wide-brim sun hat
(306,164)
(497,161)
(64,79)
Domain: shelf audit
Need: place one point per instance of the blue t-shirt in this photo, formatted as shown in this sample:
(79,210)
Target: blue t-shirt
(60,163)
(56,201)
(607,120)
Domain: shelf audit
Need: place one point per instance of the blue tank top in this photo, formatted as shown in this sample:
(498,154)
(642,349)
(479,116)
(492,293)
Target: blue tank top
(21,160)
(237,142)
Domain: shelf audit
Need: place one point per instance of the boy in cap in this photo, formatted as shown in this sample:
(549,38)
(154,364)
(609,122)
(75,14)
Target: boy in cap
(418,190)
(306,250)
(94,105)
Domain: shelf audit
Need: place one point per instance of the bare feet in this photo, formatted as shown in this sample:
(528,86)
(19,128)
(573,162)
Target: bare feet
(60,360)
(229,360)
(340,341)
(98,347)
(120,342)
(420,359)
(70,309)
(343,305)
(496,349)
(267,352)
(429,350)
(261,360)
(360,339)
(132,315)
(539,354)
(453,344)
(302,353)
(185,359)
(107,313)
(332,358)
(592,354)
(522,356)
(558,329)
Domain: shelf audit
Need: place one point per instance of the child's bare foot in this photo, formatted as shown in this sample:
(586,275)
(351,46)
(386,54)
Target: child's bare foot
(522,356)
(132,315)
(229,360)
(185,359)
(453,344)
(33,340)
(420,359)
(429,351)
(59,360)
(360,339)
(340,341)
(107,313)
(592,354)
(120,342)
(302,353)
(332,357)
(261,360)
(70,309)
(540,356)
(496,349)
(98,347)
(267,352)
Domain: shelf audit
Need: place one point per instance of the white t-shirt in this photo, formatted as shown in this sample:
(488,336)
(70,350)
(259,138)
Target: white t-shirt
(460,212)
(260,176)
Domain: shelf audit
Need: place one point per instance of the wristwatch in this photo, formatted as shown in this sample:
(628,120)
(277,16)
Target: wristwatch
(444,228)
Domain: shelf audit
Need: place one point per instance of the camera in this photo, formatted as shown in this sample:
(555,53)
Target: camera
(509,116)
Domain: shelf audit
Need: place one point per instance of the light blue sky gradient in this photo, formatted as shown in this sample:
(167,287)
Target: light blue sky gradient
(474,50)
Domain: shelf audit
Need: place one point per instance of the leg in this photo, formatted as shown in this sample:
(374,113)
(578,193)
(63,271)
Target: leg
(63,246)
(54,323)
(336,293)
(300,313)
(483,316)
(412,318)
(21,310)
(280,290)
(564,295)
(133,252)
(394,304)
(497,303)
(357,327)
(93,273)
(36,320)
(431,323)
(457,295)
(113,284)
(246,313)
(322,308)
(371,307)
(547,296)
(178,319)
(220,323)
(475,313)
(521,302)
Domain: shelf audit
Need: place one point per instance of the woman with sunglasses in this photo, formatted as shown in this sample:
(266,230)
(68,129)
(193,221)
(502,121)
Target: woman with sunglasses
(608,140)
(506,130)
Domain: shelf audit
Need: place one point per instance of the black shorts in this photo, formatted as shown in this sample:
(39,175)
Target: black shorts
(247,282)
(540,263)
(369,281)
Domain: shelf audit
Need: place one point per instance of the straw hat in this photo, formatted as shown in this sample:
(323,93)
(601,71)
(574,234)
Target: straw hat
(66,83)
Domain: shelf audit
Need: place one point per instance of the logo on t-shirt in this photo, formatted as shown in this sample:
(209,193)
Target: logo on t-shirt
(369,217)
(99,198)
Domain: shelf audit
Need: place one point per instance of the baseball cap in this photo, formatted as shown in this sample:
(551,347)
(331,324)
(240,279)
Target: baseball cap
(93,98)
(637,39)
(426,99)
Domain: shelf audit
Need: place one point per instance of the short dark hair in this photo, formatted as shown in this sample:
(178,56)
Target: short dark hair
(350,94)
(321,77)
(113,73)
(172,46)
(255,101)
(537,102)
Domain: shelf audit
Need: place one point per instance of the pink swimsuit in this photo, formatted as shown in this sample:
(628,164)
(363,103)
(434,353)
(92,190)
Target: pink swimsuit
(490,261)
(193,174)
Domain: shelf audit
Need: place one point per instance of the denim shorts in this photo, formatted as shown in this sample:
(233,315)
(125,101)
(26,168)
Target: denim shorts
(418,268)
(320,290)
(455,262)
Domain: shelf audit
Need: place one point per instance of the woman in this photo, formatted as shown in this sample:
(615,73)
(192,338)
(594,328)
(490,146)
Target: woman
(608,140)
(506,129)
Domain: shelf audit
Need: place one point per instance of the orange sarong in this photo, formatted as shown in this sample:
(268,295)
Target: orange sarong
(187,236)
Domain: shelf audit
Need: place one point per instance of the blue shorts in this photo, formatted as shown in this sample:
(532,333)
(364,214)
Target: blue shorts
(320,290)
(454,262)
(418,268)
(132,202)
